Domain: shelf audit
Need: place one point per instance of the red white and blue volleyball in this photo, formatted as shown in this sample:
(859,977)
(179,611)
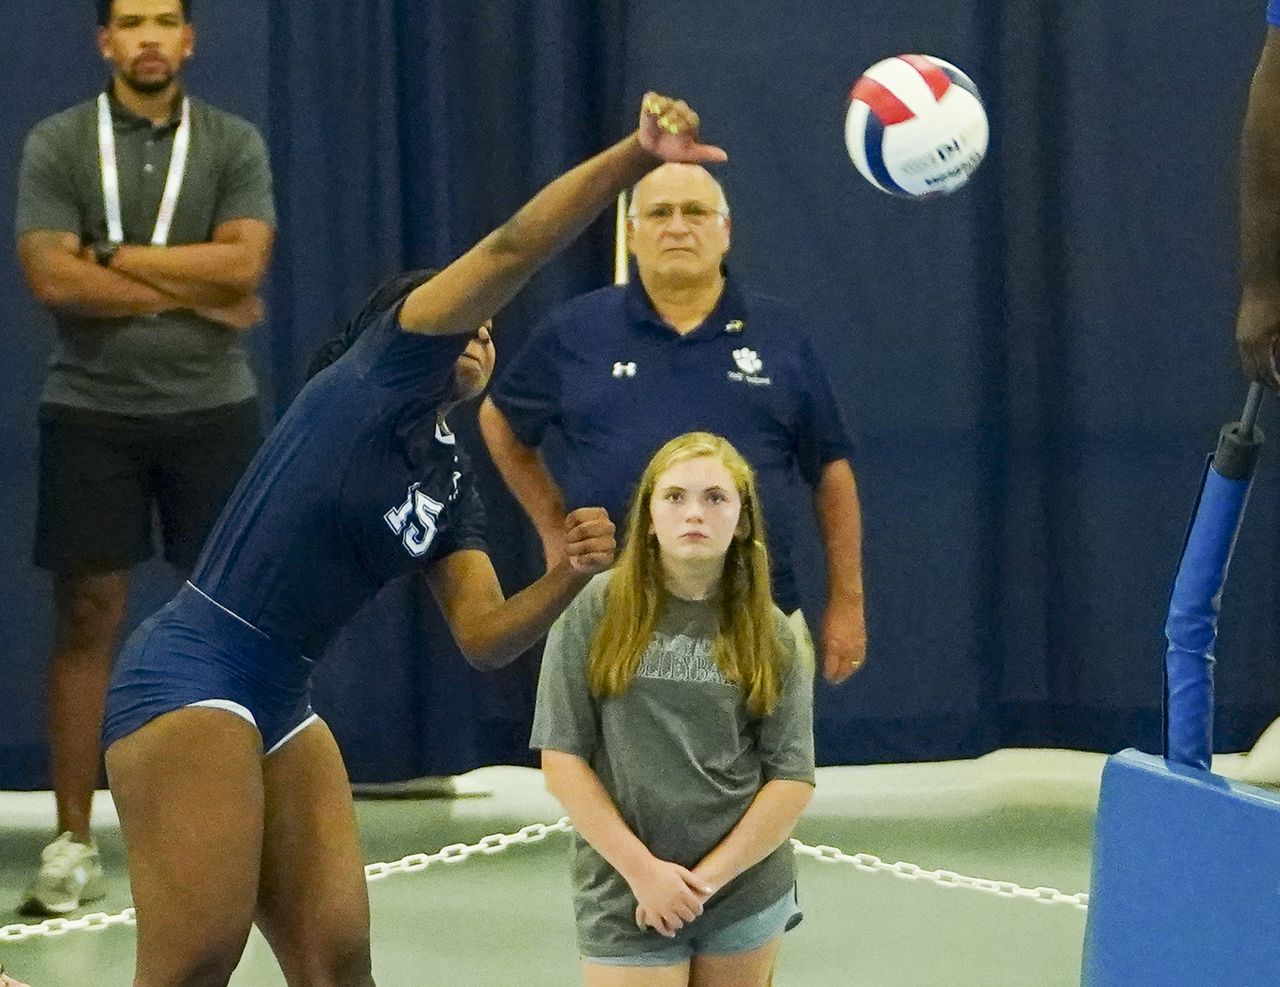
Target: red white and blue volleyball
(916,126)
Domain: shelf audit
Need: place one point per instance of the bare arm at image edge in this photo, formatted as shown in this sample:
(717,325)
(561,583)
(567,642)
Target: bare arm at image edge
(1258,320)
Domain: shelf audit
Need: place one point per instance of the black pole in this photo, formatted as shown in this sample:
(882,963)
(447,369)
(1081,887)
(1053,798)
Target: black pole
(1239,442)
(1252,404)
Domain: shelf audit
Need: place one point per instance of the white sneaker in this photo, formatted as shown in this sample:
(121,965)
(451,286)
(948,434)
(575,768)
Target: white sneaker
(70,874)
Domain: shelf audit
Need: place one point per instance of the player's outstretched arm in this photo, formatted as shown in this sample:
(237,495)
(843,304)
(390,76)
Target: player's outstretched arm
(471,289)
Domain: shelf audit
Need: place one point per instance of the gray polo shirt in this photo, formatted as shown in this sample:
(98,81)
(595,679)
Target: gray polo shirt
(680,757)
(175,362)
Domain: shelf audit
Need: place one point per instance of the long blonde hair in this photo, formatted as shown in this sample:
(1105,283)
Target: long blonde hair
(745,647)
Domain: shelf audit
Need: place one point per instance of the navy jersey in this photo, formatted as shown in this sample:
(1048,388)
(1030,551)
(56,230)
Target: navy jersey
(358,483)
(1273,13)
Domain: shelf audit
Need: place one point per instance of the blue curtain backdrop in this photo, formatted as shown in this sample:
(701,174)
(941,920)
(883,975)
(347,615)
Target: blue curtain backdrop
(1034,368)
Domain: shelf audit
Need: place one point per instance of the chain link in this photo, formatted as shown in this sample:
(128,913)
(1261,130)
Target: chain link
(456,853)
(871,864)
(61,926)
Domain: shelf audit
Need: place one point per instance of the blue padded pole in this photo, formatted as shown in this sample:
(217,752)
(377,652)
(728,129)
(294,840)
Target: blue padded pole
(1192,625)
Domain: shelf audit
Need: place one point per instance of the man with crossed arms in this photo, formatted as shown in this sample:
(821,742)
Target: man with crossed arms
(144,224)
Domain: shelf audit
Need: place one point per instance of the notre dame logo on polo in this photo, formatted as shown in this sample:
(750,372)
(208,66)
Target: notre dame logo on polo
(417,519)
(750,367)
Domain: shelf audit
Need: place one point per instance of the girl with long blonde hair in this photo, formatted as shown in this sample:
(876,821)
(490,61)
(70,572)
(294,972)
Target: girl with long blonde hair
(676,727)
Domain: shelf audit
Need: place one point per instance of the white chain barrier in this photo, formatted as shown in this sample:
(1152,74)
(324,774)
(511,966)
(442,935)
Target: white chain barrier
(456,853)
(871,864)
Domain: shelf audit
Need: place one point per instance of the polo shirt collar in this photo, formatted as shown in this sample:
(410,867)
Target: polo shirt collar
(729,315)
(125,119)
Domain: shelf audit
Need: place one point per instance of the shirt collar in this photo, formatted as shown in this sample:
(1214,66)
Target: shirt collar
(729,315)
(125,119)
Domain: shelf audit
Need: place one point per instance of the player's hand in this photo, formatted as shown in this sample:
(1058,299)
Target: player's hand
(668,897)
(243,315)
(844,639)
(1257,333)
(669,130)
(588,540)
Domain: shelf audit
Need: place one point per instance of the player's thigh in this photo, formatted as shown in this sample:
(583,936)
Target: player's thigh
(607,975)
(188,790)
(753,968)
(313,902)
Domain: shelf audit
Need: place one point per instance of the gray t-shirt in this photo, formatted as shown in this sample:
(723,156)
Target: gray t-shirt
(175,362)
(679,755)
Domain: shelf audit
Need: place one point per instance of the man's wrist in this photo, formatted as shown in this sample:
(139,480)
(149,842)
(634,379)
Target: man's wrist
(105,252)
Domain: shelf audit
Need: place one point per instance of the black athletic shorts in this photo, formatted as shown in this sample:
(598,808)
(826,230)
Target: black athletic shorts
(102,477)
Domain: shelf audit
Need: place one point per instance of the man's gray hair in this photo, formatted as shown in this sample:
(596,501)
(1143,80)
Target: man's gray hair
(722,204)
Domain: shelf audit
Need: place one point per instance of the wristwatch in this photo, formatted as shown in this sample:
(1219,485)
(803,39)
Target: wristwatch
(104,253)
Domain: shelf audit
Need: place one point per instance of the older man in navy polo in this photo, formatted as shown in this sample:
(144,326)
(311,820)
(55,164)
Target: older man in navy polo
(619,371)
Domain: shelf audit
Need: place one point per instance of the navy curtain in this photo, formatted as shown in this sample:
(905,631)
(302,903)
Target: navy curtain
(1034,368)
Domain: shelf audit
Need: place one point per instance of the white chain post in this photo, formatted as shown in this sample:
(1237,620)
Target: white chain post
(456,853)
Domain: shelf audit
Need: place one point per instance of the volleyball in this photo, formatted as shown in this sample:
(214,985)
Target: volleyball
(915,126)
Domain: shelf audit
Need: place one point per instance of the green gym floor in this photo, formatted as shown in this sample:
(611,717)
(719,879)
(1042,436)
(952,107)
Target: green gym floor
(1021,816)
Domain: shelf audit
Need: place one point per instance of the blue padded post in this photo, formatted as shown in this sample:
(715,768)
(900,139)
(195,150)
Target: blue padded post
(1186,880)
(1192,625)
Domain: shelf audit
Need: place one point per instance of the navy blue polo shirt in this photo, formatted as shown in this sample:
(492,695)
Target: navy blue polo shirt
(616,382)
(359,482)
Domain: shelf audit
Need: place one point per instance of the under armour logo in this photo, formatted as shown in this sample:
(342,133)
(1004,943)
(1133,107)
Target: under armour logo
(748,361)
(624,369)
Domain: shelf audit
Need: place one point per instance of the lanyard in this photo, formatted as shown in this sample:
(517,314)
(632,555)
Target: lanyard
(111,174)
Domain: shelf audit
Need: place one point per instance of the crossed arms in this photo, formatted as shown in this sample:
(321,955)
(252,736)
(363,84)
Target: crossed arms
(219,279)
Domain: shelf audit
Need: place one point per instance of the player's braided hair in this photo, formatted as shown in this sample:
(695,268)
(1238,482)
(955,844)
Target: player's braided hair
(384,297)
